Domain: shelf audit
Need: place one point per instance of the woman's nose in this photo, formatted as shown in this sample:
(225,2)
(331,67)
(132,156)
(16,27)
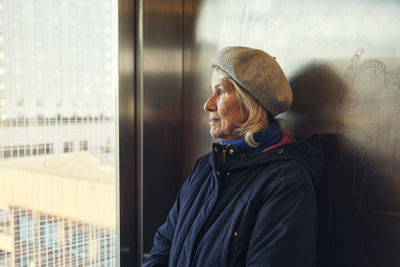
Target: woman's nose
(209,105)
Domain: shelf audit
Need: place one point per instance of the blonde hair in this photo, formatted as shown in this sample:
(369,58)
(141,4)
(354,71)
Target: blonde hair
(257,120)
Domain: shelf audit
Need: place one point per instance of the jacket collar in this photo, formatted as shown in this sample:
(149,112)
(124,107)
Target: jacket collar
(310,153)
(265,139)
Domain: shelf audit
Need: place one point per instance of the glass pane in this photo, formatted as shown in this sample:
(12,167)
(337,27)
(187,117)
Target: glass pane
(58,83)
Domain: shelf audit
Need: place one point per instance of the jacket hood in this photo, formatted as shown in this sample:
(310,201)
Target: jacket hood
(310,153)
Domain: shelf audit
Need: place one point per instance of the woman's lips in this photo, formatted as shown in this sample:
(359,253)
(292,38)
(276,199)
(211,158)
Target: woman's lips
(213,120)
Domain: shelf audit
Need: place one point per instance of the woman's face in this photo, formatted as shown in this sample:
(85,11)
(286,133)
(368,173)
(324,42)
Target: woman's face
(226,113)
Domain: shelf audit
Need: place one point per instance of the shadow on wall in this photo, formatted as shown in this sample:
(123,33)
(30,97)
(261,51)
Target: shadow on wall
(359,194)
(318,94)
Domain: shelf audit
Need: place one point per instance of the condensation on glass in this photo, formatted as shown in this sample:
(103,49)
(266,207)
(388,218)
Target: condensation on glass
(57,132)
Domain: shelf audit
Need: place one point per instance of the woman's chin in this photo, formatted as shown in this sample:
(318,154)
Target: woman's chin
(215,134)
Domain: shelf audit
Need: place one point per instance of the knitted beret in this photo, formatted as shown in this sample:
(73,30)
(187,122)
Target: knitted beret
(259,74)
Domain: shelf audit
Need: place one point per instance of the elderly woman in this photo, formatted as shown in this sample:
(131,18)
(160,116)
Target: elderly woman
(251,200)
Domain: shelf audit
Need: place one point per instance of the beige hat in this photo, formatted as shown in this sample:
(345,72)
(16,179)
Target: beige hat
(259,74)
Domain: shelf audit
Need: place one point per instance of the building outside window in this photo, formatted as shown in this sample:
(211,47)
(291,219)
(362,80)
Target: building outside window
(77,239)
(26,228)
(5,259)
(21,151)
(50,233)
(68,147)
(7,152)
(83,145)
(57,201)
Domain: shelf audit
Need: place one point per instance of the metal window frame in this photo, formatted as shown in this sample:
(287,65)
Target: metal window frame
(130,127)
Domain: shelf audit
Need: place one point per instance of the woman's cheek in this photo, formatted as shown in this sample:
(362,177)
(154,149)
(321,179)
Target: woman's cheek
(228,123)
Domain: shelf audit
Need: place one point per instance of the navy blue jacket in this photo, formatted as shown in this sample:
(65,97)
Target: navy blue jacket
(270,218)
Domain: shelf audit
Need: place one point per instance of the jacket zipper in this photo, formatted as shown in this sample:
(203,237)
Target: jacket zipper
(196,236)
(195,243)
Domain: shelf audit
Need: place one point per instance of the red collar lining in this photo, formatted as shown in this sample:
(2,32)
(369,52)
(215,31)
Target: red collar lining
(285,139)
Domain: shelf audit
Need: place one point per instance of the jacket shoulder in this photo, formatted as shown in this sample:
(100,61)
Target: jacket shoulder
(291,171)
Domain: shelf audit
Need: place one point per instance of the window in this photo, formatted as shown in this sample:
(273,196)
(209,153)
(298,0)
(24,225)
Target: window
(48,113)
(77,238)
(68,147)
(49,149)
(105,248)
(20,120)
(23,262)
(21,151)
(26,228)
(7,152)
(83,145)
(28,150)
(34,150)
(40,120)
(41,149)
(50,234)
(5,258)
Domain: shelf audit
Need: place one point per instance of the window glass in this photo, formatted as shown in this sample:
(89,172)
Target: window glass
(26,227)
(51,235)
(58,83)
